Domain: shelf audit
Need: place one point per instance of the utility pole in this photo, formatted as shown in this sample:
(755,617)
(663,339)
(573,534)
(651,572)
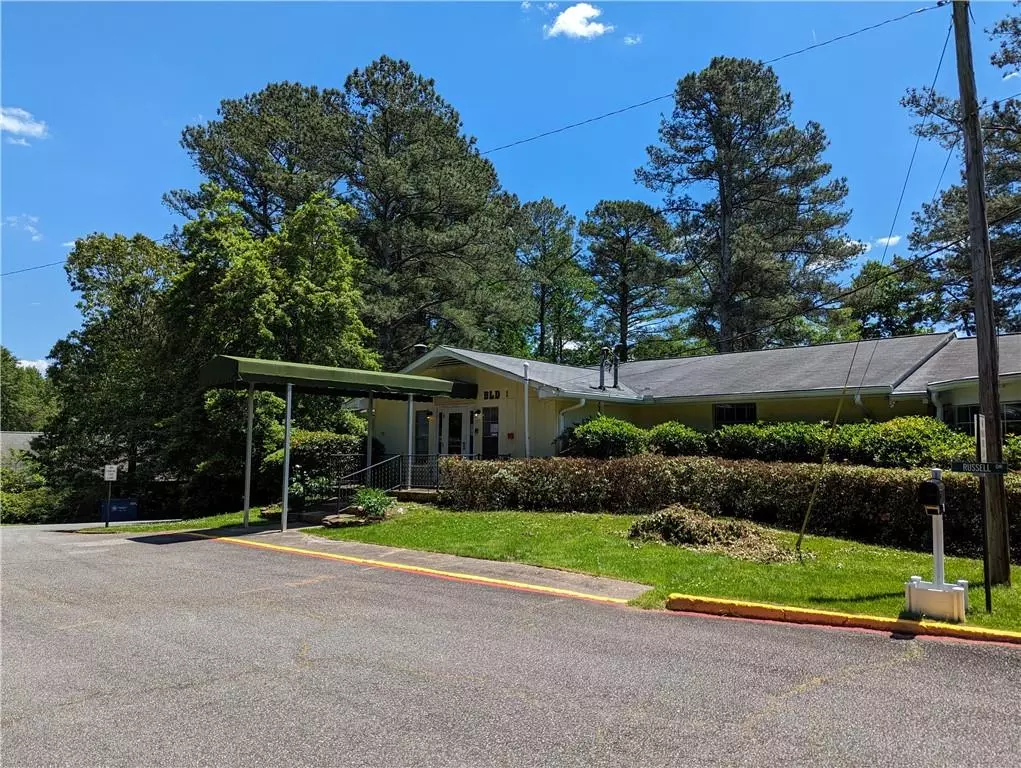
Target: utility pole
(982,287)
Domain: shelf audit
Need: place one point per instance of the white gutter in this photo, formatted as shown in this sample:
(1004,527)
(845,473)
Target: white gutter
(771,395)
(560,416)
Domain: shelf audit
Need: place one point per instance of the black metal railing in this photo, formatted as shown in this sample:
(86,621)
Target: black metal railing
(425,467)
(334,483)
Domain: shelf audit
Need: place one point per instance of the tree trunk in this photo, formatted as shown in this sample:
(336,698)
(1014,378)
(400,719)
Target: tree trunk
(724,342)
(542,322)
(625,311)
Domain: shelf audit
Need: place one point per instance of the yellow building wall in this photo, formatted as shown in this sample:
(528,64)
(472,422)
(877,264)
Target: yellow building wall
(1010,392)
(545,420)
(391,419)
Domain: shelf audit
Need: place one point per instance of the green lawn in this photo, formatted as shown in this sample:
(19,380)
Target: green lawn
(226,520)
(843,576)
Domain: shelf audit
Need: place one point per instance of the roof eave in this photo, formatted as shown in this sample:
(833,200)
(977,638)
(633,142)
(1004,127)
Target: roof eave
(776,395)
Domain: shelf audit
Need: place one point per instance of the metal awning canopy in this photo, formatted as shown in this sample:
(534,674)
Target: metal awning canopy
(228,371)
(275,375)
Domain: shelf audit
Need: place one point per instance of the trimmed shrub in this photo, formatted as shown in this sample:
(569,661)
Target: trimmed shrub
(908,441)
(675,439)
(607,438)
(863,503)
(374,502)
(785,441)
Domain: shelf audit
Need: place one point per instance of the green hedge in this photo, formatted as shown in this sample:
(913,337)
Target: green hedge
(862,503)
(675,439)
(908,441)
(607,438)
(1012,451)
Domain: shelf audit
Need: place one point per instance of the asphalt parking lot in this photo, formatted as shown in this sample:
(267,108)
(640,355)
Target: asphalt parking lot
(169,651)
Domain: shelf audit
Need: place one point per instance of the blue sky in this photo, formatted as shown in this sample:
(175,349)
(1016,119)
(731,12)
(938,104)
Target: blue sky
(97,94)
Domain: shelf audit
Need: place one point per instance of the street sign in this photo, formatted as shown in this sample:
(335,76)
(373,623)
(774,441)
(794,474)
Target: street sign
(110,473)
(980,467)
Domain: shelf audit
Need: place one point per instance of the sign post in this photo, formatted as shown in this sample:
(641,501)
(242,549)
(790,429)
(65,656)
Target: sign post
(110,475)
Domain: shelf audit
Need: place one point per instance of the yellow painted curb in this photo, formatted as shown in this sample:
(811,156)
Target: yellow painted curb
(749,610)
(453,575)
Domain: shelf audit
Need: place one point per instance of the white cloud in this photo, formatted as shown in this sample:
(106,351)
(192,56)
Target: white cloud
(68,244)
(21,122)
(577,21)
(550,6)
(18,142)
(525,5)
(632,39)
(863,245)
(39,365)
(888,240)
(25,223)
(1011,75)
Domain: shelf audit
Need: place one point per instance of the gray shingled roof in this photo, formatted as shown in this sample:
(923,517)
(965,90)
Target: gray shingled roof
(789,369)
(769,371)
(959,360)
(567,378)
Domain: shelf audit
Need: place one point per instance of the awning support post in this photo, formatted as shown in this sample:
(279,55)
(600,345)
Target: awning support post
(287,458)
(411,433)
(248,453)
(370,418)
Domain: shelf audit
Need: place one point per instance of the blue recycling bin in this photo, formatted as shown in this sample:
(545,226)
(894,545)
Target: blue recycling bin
(119,510)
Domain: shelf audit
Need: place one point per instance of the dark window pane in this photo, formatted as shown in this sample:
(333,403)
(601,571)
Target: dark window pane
(734,413)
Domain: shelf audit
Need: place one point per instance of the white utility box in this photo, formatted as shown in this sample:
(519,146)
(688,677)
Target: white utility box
(937,601)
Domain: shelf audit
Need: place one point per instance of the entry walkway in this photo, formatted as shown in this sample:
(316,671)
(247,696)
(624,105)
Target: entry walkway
(512,575)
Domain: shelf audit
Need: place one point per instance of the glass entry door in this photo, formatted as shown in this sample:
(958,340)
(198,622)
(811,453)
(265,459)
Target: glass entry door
(454,437)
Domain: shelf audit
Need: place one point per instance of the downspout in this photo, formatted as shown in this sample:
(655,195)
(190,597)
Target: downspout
(934,399)
(528,446)
(568,409)
(861,406)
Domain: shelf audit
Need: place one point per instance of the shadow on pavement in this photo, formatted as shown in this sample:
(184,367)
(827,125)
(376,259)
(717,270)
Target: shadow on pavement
(178,537)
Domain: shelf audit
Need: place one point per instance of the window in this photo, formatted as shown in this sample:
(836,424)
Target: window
(962,417)
(733,413)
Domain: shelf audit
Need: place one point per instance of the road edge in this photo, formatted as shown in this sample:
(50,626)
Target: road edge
(795,615)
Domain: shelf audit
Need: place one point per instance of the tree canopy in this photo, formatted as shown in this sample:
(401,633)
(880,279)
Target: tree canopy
(760,220)
(26,396)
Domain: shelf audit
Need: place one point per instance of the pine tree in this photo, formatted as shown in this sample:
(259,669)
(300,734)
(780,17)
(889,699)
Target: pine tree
(759,219)
(558,286)
(626,244)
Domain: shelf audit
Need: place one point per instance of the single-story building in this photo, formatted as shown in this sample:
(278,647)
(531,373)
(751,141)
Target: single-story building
(521,406)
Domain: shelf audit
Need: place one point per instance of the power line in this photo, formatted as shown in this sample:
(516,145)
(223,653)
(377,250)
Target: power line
(29,269)
(823,304)
(900,202)
(654,99)
(868,363)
